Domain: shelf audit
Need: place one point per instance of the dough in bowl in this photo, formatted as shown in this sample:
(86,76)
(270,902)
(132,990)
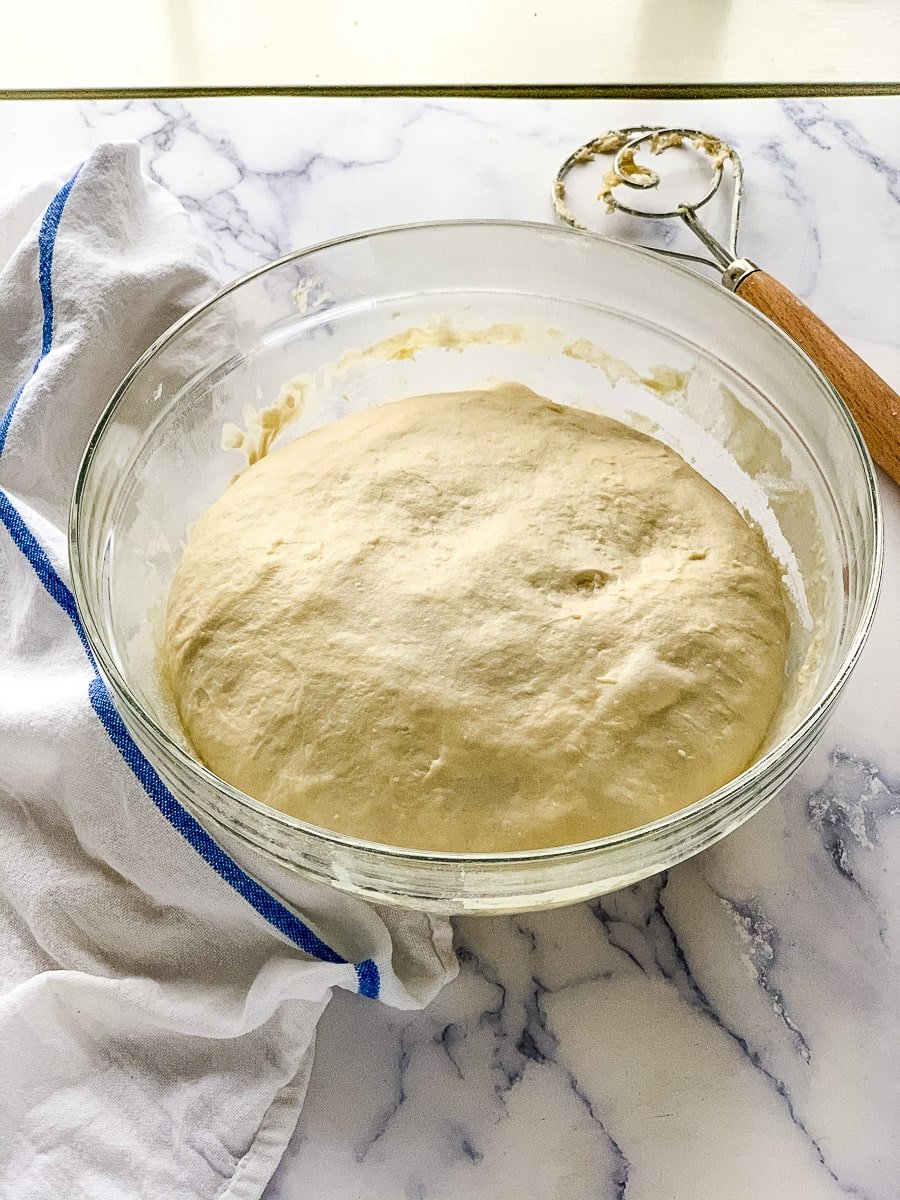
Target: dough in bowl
(475,622)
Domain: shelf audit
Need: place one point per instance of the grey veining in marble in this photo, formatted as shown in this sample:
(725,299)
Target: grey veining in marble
(730,1029)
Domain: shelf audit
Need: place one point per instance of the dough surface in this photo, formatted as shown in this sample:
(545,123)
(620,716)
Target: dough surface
(475,622)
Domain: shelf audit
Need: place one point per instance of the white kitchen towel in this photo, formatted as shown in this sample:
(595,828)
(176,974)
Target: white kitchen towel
(159,990)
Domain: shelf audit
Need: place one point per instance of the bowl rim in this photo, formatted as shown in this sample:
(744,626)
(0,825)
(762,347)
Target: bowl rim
(557,854)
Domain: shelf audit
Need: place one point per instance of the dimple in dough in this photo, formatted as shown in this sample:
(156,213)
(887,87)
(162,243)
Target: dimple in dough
(475,622)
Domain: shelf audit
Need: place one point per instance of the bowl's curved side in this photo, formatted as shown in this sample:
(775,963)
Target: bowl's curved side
(551,261)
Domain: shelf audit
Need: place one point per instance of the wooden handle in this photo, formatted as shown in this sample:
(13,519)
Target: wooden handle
(875,406)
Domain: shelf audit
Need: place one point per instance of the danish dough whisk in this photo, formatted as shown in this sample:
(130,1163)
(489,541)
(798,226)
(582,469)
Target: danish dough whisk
(874,405)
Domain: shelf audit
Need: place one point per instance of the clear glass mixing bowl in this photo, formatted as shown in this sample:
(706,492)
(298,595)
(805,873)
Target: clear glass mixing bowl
(490,300)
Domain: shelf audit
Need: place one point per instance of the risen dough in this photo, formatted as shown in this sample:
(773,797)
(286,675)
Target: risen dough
(475,622)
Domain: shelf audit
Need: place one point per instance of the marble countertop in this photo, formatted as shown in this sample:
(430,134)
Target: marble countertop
(730,1028)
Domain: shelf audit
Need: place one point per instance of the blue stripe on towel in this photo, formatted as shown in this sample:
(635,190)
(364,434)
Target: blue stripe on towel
(46,244)
(264,903)
(42,567)
(192,831)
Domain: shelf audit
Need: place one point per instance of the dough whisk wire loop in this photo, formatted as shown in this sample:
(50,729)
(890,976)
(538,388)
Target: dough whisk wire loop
(623,145)
(873,403)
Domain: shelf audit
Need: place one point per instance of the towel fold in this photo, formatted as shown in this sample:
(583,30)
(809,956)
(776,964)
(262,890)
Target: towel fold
(159,992)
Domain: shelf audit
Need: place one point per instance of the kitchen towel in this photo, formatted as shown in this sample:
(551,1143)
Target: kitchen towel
(159,990)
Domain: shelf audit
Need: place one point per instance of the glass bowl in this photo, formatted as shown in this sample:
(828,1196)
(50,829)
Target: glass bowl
(438,307)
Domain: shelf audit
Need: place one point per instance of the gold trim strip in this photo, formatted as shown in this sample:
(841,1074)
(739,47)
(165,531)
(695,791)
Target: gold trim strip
(621,91)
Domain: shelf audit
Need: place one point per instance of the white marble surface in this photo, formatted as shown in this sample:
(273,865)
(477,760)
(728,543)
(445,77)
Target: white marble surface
(730,1029)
